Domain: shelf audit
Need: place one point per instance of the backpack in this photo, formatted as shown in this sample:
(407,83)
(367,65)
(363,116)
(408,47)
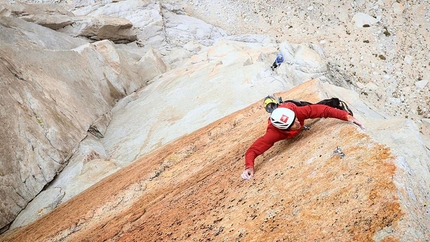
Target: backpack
(332,102)
(336,103)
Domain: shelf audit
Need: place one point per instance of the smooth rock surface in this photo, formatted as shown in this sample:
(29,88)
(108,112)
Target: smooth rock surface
(190,189)
(53,88)
(188,54)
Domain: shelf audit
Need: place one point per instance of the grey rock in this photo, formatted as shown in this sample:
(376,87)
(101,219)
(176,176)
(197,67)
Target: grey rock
(54,87)
(48,15)
(118,30)
(65,101)
(38,207)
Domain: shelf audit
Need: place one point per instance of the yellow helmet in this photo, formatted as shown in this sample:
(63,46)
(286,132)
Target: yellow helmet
(270,103)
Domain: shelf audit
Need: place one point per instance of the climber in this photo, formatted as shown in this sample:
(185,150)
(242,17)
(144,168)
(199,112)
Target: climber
(278,61)
(286,121)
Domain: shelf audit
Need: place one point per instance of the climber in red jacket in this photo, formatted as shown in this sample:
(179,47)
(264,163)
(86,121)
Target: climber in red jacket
(285,122)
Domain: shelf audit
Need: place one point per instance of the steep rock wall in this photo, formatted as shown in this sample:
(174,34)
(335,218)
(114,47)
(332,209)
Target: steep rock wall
(162,25)
(53,89)
(191,189)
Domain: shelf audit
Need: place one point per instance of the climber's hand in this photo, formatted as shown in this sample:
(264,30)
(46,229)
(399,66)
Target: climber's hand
(248,173)
(355,121)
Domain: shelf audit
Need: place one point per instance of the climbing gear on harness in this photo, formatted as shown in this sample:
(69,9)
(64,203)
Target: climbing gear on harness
(339,152)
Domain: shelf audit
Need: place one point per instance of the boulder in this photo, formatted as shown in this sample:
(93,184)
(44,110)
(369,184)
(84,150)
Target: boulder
(152,65)
(363,20)
(52,16)
(118,30)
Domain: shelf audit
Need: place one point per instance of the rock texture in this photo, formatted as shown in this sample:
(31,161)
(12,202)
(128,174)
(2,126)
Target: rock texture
(47,111)
(380,48)
(88,88)
(233,67)
(189,189)
(65,87)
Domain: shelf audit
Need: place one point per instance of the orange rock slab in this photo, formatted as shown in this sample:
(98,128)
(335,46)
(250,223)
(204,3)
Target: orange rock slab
(191,190)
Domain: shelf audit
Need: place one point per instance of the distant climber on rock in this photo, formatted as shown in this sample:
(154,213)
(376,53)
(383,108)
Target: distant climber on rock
(287,120)
(278,61)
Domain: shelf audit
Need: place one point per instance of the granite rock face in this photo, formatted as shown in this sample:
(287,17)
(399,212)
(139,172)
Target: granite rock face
(190,189)
(61,80)
(54,87)
(175,104)
(162,106)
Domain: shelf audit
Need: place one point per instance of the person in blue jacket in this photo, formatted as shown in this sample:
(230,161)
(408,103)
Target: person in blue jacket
(278,61)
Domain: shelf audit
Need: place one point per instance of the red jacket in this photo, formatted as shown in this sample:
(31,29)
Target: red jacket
(274,134)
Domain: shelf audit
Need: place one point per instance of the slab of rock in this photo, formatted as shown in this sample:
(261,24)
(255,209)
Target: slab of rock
(191,189)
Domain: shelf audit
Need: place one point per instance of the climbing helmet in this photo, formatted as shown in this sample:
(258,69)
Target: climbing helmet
(270,103)
(282,118)
(279,58)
